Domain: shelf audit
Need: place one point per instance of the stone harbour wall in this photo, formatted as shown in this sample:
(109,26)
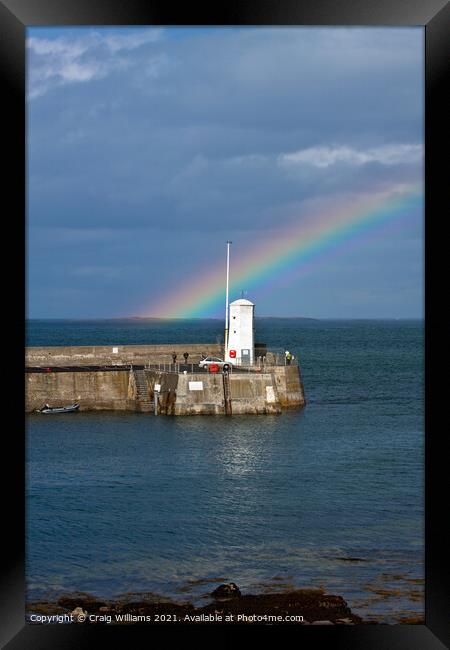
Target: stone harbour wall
(107,355)
(180,394)
(289,384)
(268,391)
(95,391)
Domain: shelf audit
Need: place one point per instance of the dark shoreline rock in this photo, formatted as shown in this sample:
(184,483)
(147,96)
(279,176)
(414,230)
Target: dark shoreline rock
(313,604)
(229,590)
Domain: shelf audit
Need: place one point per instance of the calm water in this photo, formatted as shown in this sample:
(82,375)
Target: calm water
(126,502)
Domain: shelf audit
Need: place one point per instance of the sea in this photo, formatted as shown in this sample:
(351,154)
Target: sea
(330,496)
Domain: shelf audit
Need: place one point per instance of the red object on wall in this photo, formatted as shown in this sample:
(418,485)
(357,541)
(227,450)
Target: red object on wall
(232,354)
(214,367)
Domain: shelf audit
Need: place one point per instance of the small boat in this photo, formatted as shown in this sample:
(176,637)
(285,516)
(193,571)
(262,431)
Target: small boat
(59,409)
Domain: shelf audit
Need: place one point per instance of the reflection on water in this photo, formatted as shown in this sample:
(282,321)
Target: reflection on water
(327,497)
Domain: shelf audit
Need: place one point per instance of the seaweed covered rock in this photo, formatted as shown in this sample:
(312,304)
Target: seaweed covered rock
(230,590)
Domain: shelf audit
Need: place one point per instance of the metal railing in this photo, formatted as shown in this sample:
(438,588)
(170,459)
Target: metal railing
(176,368)
(270,359)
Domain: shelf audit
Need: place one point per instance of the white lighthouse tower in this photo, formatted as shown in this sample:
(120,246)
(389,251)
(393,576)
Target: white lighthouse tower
(241,346)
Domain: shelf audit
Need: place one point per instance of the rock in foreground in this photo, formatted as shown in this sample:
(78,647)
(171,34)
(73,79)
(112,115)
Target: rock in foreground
(313,605)
(230,590)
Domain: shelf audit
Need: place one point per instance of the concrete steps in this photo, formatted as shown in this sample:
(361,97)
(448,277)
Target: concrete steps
(142,391)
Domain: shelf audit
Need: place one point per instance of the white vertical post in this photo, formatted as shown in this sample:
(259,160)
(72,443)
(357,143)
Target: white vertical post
(226,300)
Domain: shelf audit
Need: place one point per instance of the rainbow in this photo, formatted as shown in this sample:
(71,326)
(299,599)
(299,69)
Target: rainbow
(292,247)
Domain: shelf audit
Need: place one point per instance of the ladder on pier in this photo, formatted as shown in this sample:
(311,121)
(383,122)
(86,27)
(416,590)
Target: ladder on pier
(142,391)
(227,393)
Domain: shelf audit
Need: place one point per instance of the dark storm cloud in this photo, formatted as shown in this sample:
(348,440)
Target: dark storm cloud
(164,129)
(169,137)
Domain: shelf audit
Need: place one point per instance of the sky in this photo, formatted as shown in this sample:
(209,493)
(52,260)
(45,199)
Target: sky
(148,148)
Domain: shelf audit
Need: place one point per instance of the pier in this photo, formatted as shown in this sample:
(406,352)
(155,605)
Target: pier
(143,378)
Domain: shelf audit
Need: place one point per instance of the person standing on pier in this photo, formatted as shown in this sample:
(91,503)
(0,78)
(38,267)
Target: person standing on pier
(174,357)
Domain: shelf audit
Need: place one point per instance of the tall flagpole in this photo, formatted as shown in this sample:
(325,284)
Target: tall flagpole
(226,299)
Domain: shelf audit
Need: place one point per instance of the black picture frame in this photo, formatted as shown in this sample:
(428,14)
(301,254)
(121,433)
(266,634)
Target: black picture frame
(15,16)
